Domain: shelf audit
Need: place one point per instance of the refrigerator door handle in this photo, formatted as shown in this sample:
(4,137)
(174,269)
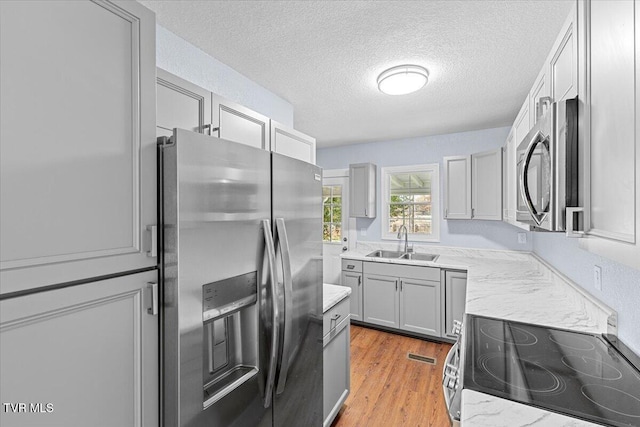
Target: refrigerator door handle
(287,285)
(275,319)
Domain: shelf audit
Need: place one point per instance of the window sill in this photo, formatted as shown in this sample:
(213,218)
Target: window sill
(413,238)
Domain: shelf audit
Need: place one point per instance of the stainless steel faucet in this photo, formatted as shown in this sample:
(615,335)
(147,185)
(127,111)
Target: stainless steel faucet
(406,237)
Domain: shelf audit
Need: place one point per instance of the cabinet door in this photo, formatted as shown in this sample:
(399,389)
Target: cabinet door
(78,147)
(362,190)
(486,185)
(91,351)
(420,306)
(537,106)
(354,281)
(522,124)
(455,294)
(240,124)
(563,65)
(610,83)
(381,300)
(336,363)
(457,187)
(181,104)
(292,143)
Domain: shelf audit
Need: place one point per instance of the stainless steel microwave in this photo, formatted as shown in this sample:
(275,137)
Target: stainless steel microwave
(548,170)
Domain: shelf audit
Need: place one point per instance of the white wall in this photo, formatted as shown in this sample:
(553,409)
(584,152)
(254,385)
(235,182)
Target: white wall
(183,59)
(620,284)
(430,149)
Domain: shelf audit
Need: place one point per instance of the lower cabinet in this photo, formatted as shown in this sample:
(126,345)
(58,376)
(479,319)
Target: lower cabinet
(336,360)
(352,277)
(455,291)
(86,355)
(408,300)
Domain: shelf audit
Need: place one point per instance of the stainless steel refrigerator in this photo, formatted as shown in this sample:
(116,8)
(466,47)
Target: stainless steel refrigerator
(242,285)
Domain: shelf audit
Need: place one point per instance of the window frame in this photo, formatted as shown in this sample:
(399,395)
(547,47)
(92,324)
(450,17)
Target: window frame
(339,241)
(385,173)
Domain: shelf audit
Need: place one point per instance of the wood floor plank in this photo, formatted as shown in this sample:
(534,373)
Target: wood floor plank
(388,388)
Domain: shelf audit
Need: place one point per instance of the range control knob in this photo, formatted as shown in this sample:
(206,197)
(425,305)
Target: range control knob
(451,376)
(457,328)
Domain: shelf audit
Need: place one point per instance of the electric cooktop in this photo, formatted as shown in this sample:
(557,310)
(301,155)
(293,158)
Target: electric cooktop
(578,374)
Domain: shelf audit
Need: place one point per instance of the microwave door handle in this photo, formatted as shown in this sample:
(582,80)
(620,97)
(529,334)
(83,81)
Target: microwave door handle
(287,312)
(275,313)
(524,179)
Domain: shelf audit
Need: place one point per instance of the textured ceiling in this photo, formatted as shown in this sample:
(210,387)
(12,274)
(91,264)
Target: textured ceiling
(324,56)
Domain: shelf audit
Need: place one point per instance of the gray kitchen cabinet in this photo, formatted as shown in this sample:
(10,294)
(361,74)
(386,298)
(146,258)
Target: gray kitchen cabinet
(362,190)
(292,143)
(522,124)
(610,77)
(181,104)
(381,300)
(457,188)
(89,351)
(563,61)
(78,148)
(238,123)
(539,96)
(336,360)
(455,294)
(420,306)
(486,185)
(473,186)
(352,277)
(403,297)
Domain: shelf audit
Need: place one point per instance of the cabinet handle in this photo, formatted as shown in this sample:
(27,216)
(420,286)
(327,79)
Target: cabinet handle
(400,285)
(211,129)
(446,213)
(153,251)
(359,280)
(473,212)
(153,310)
(396,285)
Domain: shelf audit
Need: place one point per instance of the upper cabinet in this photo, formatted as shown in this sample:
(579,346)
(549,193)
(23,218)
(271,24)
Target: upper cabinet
(185,105)
(292,143)
(486,185)
(473,186)
(362,190)
(181,104)
(237,123)
(609,84)
(78,168)
(457,187)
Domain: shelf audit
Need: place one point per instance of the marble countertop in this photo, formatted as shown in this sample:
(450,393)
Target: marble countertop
(332,295)
(514,286)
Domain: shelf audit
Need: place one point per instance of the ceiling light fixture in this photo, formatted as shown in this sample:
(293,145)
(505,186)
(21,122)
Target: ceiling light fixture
(402,79)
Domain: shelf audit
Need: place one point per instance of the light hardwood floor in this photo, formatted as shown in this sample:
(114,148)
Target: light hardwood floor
(387,388)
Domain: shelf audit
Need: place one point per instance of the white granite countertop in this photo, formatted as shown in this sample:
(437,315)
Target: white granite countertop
(512,286)
(333,294)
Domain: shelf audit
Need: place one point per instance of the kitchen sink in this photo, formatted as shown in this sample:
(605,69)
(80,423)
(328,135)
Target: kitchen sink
(401,255)
(385,254)
(419,257)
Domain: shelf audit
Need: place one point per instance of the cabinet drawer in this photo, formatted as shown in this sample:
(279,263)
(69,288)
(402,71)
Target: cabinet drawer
(332,318)
(398,270)
(351,265)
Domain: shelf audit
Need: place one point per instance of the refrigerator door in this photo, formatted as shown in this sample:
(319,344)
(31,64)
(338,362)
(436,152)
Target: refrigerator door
(216,298)
(297,209)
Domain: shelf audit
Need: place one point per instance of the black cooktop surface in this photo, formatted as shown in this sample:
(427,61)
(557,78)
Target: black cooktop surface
(574,373)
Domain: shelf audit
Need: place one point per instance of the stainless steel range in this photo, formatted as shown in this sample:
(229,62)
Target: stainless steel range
(583,375)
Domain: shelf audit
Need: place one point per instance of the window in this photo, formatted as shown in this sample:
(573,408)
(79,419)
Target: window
(410,198)
(332,213)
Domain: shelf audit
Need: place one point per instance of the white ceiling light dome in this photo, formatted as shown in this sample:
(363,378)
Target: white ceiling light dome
(402,79)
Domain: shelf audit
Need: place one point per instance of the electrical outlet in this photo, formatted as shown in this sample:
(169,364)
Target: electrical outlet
(597,277)
(522,238)
(363,232)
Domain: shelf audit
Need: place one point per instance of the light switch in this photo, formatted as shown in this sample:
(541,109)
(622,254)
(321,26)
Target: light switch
(522,238)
